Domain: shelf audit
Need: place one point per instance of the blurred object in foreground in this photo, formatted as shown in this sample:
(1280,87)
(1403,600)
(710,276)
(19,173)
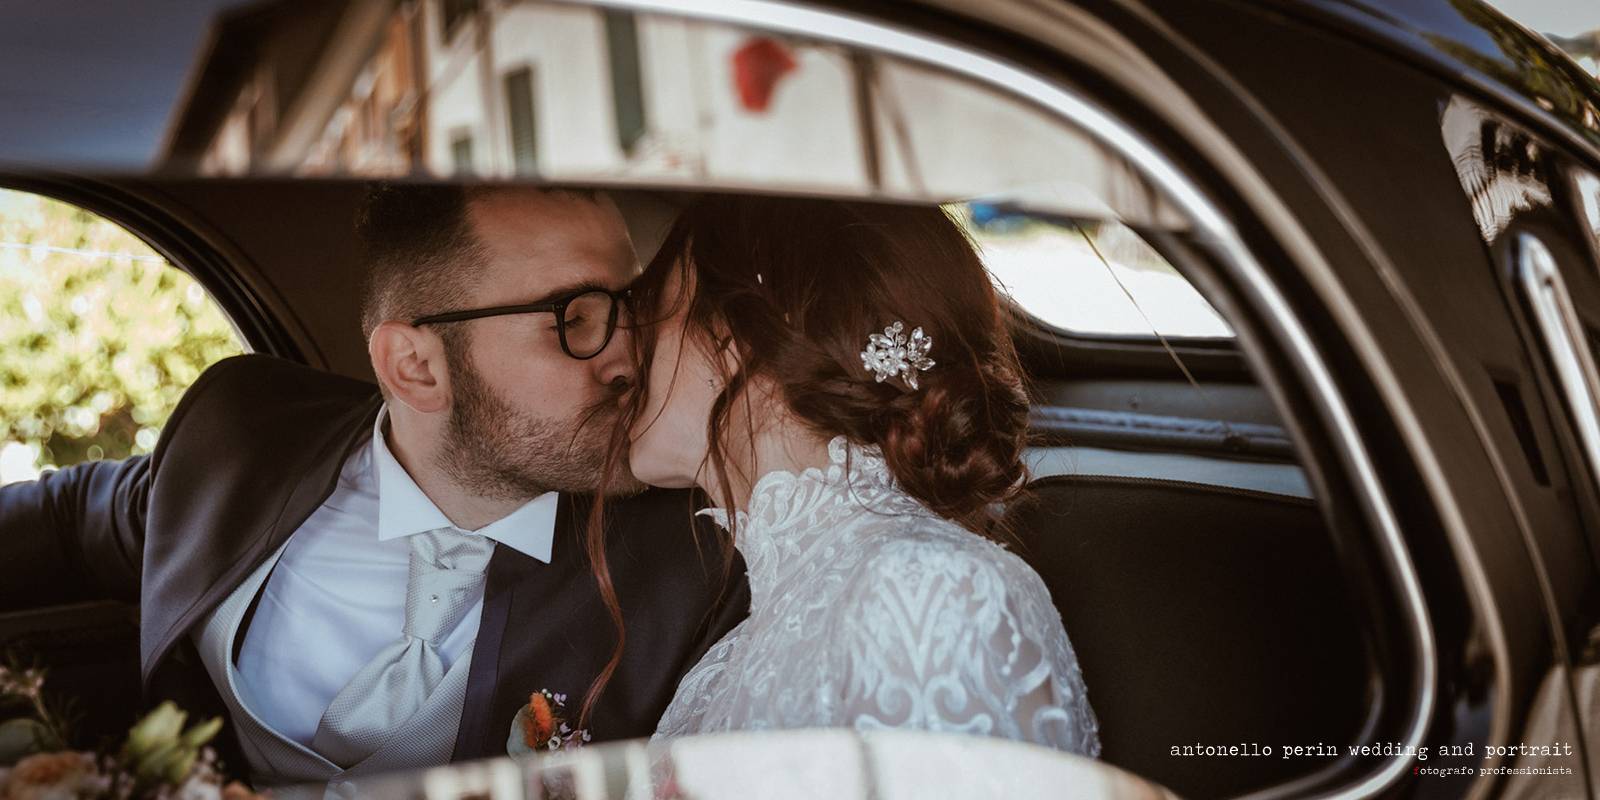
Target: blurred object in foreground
(835,763)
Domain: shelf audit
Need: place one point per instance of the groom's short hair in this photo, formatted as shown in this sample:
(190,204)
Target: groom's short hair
(420,251)
(422,254)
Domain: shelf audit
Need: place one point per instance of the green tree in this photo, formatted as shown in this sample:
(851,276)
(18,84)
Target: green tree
(99,335)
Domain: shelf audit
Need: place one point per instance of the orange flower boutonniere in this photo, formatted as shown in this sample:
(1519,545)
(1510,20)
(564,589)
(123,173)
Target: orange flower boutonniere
(541,725)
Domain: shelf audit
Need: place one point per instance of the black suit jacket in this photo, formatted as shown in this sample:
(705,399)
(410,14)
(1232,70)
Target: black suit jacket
(254,447)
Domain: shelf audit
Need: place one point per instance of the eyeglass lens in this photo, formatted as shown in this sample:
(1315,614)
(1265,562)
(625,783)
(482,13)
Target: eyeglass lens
(587,321)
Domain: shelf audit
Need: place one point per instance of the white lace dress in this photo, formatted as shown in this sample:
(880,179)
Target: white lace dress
(869,611)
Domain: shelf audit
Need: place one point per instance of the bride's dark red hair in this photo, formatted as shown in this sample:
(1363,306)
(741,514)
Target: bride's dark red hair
(793,287)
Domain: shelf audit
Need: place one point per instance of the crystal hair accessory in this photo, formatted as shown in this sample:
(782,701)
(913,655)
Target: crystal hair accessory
(891,353)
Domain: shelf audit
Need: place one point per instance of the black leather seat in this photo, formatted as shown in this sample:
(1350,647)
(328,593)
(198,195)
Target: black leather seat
(1200,615)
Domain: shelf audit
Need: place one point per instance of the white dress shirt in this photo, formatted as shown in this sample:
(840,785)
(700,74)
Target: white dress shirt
(337,596)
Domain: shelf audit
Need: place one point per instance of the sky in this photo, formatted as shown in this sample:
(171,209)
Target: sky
(1560,17)
(113,74)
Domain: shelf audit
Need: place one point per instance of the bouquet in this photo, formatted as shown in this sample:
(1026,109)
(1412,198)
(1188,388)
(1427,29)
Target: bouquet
(161,758)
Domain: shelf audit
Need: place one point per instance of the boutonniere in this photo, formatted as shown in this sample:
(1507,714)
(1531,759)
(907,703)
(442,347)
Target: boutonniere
(541,725)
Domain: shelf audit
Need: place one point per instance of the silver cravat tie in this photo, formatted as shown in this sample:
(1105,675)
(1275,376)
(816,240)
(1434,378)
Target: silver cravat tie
(447,572)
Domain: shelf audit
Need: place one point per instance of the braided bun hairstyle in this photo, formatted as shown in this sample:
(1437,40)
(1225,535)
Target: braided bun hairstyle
(795,286)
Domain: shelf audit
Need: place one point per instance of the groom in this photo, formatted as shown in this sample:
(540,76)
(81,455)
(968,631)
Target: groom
(367,578)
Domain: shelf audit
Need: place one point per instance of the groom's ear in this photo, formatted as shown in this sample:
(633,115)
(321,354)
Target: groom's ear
(410,363)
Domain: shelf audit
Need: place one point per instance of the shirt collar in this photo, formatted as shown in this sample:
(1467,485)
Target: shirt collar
(404,509)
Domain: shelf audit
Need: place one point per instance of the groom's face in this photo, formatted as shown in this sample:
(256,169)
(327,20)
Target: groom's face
(525,417)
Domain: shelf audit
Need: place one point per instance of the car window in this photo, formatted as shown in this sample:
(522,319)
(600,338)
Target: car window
(1086,276)
(99,337)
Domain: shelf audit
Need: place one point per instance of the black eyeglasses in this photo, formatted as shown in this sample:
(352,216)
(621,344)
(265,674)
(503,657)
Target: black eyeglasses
(585,320)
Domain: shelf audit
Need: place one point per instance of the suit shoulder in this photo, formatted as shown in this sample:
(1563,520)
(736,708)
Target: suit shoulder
(242,399)
(258,387)
(263,378)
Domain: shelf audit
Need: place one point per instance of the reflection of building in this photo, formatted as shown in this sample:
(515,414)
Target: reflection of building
(497,88)
(376,128)
(506,88)
(302,85)
(532,88)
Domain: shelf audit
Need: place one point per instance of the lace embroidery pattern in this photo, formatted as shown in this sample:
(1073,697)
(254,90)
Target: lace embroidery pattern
(870,611)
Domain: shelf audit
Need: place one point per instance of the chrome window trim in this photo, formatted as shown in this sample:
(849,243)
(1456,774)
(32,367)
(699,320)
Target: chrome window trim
(860,32)
(1586,187)
(1565,342)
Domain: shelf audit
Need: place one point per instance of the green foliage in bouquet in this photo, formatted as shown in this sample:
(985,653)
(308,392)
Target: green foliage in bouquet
(160,750)
(44,726)
(162,757)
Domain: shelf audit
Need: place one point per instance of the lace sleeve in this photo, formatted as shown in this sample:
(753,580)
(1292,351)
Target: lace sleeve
(960,638)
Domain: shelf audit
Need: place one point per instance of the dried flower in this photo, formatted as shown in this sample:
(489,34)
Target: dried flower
(160,759)
(540,725)
(44,729)
(540,720)
(20,683)
(238,791)
(49,775)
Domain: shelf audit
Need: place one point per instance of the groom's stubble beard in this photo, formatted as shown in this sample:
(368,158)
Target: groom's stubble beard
(493,449)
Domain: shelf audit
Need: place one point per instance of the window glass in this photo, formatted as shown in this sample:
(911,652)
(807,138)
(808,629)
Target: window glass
(627,81)
(1091,277)
(520,114)
(99,337)
(568,93)
(461,152)
(1587,188)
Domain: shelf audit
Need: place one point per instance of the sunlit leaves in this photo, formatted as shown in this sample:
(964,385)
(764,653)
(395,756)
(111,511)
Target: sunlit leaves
(99,336)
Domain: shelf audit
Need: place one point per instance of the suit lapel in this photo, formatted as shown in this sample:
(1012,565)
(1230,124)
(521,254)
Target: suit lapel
(245,525)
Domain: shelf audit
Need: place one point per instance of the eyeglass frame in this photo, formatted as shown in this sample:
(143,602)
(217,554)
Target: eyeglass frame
(619,298)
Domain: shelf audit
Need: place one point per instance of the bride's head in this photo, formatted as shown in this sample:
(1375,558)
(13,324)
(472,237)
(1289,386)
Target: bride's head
(751,320)
(754,316)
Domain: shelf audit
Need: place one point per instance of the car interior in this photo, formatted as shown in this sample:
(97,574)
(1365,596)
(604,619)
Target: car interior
(1168,513)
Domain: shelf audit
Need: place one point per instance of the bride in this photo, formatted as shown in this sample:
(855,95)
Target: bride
(839,376)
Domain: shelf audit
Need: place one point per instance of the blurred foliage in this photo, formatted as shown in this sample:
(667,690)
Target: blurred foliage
(99,335)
